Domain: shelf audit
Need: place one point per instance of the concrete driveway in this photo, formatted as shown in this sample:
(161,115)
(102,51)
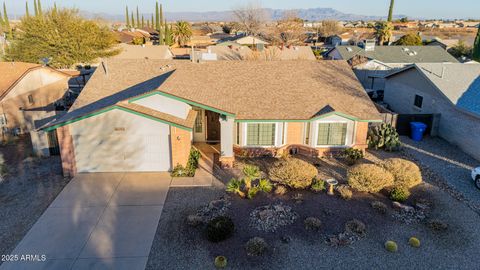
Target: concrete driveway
(99,221)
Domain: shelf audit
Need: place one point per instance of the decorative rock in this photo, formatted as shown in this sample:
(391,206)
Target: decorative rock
(194,220)
(214,209)
(400,206)
(312,224)
(286,239)
(269,217)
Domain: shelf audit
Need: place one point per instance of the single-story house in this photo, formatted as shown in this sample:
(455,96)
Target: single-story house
(30,94)
(271,53)
(451,90)
(158,52)
(444,43)
(251,41)
(371,63)
(145,115)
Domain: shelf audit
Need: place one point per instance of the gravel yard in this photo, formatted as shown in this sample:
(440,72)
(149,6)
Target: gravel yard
(27,190)
(177,245)
(448,163)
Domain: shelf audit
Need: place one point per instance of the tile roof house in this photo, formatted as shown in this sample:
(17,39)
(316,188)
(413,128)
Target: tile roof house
(126,120)
(29,94)
(451,90)
(372,64)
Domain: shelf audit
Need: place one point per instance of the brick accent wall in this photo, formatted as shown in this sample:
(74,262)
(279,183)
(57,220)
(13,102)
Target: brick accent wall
(295,133)
(181,143)
(67,151)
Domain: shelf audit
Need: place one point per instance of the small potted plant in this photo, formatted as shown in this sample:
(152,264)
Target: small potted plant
(220,262)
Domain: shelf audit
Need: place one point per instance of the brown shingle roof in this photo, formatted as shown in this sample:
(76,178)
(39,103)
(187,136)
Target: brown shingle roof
(252,90)
(12,72)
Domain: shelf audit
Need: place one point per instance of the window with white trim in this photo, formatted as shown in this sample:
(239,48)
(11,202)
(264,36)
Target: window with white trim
(261,134)
(332,134)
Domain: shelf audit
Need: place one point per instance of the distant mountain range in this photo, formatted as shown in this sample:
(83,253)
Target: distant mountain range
(310,14)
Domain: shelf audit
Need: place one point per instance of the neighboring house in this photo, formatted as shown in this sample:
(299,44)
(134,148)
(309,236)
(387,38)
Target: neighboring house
(270,53)
(145,115)
(371,63)
(444,43)
(155,52)
(451,90)
(250,41)
(29,95)
(127,36)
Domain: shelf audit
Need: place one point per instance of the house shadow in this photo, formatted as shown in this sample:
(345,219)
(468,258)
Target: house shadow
(470,99)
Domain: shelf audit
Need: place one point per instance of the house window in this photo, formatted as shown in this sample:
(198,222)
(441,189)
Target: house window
(261,134)
(30,99)
(198,121)
(418,101)
(307,133)
(332,133)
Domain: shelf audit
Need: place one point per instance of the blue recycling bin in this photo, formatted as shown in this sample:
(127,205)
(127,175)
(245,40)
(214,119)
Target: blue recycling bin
(418,129)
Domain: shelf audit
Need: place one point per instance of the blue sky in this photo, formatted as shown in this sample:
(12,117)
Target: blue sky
(413,8)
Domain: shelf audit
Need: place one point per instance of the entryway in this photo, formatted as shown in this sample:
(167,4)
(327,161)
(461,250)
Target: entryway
(207,127)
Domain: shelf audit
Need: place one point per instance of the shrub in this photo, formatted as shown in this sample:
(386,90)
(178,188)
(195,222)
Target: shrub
(219,229)
(406,173)
(414,242)
(356,226)
(235,186)
(293,172)
(312,224)
(437,225)
(220,262)
(280,190)
(391,246)
(379,206)
(399,194)
(345,192)
(256,246)
(385,137)
(251,173)
(252,192)
(192,165)
(352,155)
(265,185)
(318,185)
(369,178)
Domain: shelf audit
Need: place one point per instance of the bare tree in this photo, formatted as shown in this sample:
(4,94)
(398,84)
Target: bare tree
(329,28)
(251,18)
(289,30)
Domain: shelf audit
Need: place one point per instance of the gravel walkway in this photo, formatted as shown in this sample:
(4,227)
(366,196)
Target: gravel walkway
(449,163)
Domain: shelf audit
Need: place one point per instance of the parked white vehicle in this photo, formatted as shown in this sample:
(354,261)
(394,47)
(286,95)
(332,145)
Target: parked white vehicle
(476,176)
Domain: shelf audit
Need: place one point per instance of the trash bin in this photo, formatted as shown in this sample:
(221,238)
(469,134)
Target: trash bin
(418,129)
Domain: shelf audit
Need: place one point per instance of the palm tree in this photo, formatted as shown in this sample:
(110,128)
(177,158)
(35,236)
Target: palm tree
(182,32)
(384,32)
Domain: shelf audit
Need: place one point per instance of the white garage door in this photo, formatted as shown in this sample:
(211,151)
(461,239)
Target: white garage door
(136,144)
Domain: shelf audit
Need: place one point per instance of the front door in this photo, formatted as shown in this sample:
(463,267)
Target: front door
(213,126)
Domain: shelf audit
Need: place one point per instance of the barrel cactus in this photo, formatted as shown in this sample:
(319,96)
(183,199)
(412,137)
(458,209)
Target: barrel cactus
(384,136)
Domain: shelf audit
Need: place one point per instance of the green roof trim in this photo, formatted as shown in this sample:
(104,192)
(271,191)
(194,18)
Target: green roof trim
(157,92)
(307,120)
(116,108)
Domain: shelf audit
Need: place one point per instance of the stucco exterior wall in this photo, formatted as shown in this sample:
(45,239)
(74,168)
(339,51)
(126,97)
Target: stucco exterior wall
(165,105)
(456,126)
(67,151)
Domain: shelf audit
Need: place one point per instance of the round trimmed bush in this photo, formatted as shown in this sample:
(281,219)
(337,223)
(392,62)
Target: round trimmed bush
(414,242)
(406,173)
(391,246)
(219,229)
(369,178)
(293,172)
(399,194)
(256,246)
(312,224)
(345,192)
(220,262)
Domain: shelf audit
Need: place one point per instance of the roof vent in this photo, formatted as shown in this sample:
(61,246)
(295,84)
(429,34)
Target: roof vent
(406,49)
(349,49)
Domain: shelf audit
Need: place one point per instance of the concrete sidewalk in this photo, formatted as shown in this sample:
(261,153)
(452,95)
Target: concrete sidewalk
(99,221)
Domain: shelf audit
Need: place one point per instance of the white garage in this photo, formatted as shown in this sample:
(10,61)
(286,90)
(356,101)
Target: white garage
(119,141)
